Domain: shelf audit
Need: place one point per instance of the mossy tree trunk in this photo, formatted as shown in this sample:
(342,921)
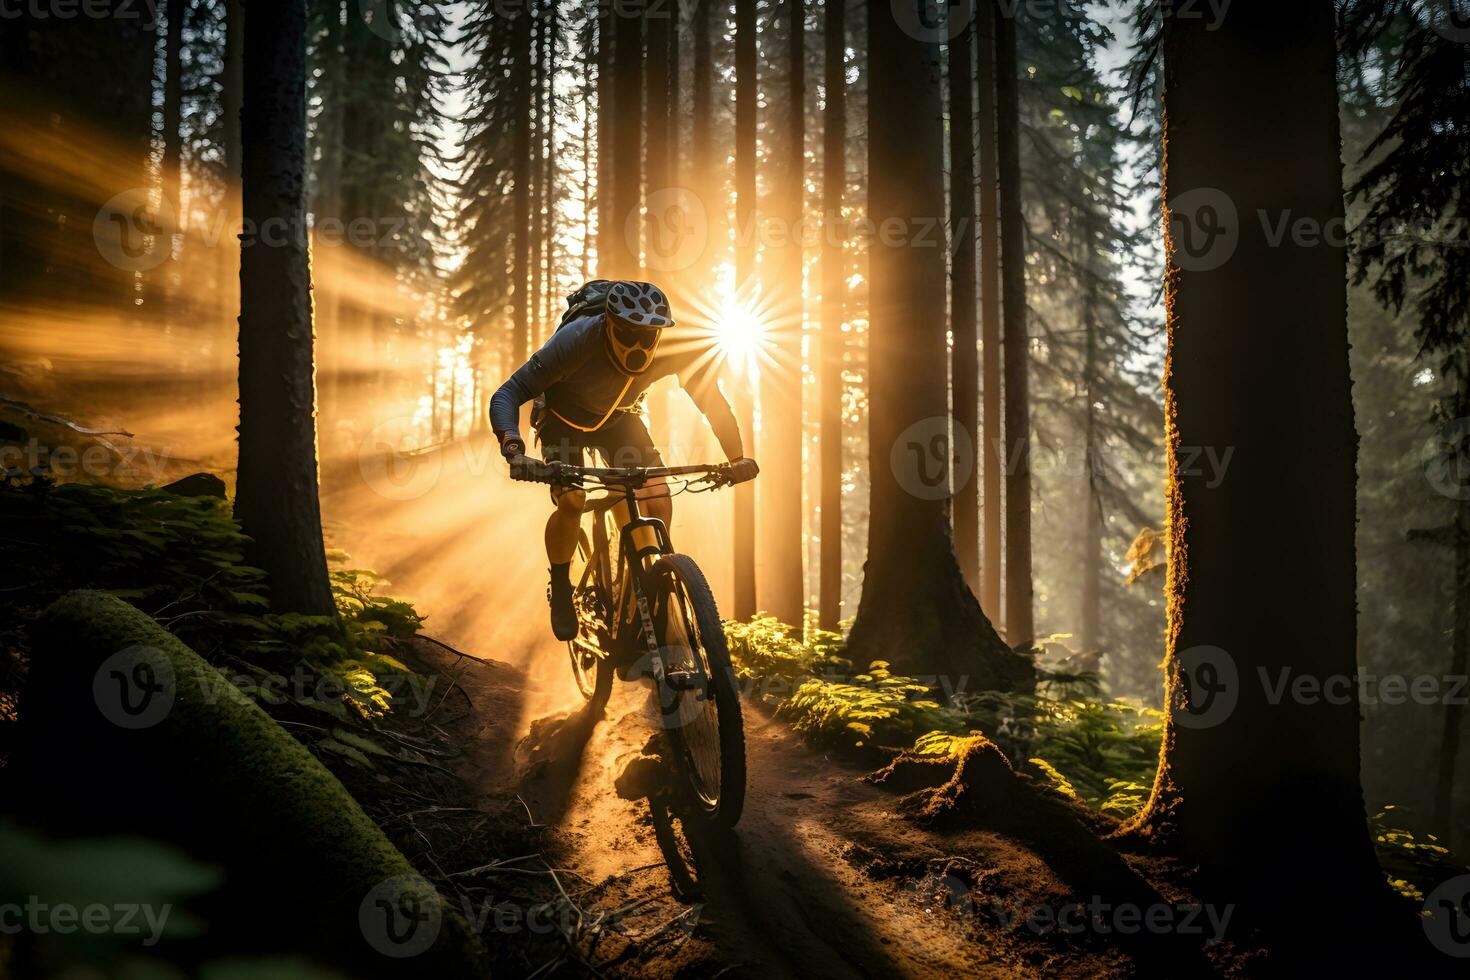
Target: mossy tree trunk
(1258,782)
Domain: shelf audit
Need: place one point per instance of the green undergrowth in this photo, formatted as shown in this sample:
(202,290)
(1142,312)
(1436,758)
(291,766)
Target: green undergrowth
(1102,752)
(182,560)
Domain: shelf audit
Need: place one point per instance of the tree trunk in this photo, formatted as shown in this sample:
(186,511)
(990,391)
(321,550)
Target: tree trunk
(658,80)
(521,92)
(538,202)
(162,283)
(916,611)
(656,90)
(1454,711)
(624,234)
(605,97)
(675,108)
(834,290)
(701,179)
(328,206)
(1258,782)
(276,498)
(745,252)
(783,585)
(173,104)
(231,85)
(965,369)
(702,141)
(548,177)
(1020,629)
(992,439)
(1091,509)
(588,204)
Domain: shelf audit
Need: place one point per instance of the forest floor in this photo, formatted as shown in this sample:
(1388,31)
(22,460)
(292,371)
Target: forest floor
(822,875)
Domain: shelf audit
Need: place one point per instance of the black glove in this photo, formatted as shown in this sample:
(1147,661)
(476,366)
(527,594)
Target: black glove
(526,469)
(522,467)
(741,470)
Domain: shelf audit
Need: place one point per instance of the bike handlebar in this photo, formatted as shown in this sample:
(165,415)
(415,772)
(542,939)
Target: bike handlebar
(627,476)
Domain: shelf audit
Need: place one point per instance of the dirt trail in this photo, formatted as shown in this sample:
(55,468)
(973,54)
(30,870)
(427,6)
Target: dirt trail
(821,876)
(781,895)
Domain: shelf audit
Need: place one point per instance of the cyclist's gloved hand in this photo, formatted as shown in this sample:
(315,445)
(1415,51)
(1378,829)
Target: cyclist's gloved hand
(741,470)
(524,468)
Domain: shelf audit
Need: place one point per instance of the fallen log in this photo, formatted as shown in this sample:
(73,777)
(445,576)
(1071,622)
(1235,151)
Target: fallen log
(122,718)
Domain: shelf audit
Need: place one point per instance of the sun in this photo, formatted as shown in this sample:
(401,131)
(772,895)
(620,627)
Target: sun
(730,325)
(739,335)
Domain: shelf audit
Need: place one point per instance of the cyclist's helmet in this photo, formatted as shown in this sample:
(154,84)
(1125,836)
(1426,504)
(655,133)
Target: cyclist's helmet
(637,313)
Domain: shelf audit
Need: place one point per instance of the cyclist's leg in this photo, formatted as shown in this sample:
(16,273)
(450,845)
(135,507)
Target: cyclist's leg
(559,445)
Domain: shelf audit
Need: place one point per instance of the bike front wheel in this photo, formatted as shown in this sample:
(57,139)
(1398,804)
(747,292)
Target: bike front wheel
(701,702)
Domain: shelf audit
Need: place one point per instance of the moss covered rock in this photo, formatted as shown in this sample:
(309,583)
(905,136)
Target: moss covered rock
(122,718)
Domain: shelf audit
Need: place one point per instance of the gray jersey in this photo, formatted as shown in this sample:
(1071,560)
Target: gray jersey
(582,385)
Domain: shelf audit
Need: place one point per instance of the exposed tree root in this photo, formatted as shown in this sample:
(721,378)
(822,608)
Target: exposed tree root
(979,790)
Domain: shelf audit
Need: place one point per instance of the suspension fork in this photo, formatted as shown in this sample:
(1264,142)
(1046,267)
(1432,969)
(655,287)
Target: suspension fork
(643,541)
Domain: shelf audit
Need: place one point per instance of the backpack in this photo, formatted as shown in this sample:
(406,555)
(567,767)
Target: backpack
(592,296)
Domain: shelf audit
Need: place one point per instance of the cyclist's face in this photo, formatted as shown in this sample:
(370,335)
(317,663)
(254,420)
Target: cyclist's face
(632,349)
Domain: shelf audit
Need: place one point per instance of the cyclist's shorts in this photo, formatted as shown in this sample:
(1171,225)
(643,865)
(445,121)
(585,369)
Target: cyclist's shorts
(623,440)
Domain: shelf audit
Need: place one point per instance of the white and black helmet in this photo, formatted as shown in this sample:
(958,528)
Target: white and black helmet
(640,305)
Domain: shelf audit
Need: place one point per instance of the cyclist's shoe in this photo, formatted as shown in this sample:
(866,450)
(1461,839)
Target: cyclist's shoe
(563,613)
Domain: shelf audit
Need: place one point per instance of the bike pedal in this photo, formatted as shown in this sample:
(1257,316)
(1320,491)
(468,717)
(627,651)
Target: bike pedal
(683,680)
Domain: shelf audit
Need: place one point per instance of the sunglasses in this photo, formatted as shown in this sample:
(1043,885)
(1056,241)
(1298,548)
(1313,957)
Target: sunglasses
(638,339)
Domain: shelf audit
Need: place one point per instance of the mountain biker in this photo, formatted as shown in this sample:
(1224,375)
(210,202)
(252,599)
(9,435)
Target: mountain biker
(587,381)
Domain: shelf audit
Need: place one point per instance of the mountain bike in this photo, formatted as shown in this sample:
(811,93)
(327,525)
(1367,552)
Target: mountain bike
(647,610)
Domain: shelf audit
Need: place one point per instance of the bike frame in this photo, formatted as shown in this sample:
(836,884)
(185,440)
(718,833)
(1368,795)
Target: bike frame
(642,541)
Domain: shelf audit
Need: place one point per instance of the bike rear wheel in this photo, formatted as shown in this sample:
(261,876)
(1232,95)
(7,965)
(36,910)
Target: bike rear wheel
(702,718)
